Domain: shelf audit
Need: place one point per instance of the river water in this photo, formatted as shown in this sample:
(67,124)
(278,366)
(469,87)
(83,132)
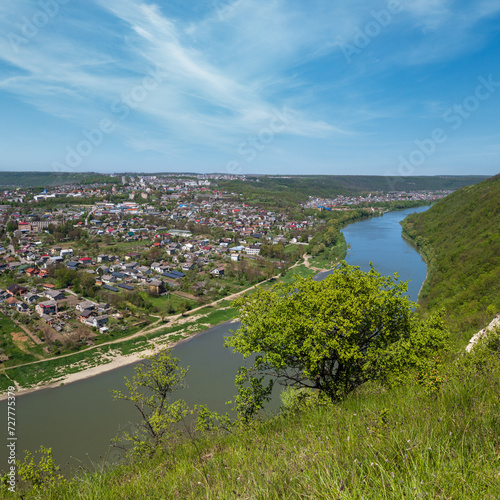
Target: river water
(78,420)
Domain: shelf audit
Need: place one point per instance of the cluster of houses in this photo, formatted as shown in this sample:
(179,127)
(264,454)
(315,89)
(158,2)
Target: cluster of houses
(375,197)
(46,304)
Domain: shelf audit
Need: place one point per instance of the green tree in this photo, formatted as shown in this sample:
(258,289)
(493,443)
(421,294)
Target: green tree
(335,334)
(11,226)
(150,391)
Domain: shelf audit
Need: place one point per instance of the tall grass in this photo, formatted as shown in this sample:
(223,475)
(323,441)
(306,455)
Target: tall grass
(377,444)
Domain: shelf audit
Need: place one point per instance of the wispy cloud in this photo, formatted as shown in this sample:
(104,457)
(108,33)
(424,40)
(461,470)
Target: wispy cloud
(223,73)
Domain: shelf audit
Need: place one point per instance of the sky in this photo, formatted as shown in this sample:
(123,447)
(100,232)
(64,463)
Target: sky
(289,87)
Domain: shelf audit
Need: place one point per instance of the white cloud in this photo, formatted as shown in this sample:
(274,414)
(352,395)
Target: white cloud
(223,77)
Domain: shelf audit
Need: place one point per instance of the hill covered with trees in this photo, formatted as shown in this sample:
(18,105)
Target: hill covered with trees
(281,191)
(460,238)
(51,179)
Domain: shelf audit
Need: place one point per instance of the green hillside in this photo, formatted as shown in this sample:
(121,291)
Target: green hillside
(281,191)
(51,179)
(460,238)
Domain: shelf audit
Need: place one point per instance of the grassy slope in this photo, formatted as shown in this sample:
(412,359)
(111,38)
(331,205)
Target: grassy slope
(376,445)
(460,238)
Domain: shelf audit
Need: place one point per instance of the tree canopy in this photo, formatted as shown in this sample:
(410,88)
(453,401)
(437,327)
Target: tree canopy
(333,335)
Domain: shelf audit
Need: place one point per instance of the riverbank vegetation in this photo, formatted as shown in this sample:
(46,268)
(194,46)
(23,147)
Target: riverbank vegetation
(33,339)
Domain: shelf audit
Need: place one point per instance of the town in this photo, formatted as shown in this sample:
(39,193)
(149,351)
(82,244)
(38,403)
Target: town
(85,263)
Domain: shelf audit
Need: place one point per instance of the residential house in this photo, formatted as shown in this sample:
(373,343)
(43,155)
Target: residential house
(132,255)
(54,294)
(14,290)
(86,304)
(187,266)
(172,249)
(129,266)
(218,271)
(253,250)
(102,307)
(99,321)
(21,306)
(280,239)
(46,308)
(86,315)
(31,298)
(12,301)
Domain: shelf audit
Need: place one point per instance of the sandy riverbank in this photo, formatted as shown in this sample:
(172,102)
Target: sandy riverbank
(116,360)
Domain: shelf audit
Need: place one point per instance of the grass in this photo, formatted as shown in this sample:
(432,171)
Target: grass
(123,245)
(55,369)
(219,316)
(5,382)
(7,325)
(118,334)
(331,256)
(12,349)
(377,444)
(438,441)
(300,270)
(174,300)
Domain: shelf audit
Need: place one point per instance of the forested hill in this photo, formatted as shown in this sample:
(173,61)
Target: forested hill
(460,237)
(299,188)
(51,179)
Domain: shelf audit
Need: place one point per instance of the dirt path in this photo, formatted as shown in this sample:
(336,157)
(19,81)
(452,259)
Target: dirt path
(309,266)
(31,335)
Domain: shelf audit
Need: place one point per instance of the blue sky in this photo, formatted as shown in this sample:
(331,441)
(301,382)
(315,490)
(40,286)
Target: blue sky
(399,87)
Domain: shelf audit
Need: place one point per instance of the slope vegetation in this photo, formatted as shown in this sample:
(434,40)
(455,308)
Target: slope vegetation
(460,238)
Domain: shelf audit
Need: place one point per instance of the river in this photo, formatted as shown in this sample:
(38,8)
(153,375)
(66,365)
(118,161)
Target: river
(78,420)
